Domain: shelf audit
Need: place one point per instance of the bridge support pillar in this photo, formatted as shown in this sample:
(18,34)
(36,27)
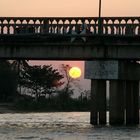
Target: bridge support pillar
(98,99)
(132,102)
(123,90)
(116,105)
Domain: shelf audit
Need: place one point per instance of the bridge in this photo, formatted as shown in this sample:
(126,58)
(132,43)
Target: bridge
(70,38)
(112,42)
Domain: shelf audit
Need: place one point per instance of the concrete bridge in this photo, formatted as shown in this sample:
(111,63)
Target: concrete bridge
(70,38)
(114,42)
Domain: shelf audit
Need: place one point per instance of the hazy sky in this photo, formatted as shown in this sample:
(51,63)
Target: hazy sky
(85,84)
(68,8)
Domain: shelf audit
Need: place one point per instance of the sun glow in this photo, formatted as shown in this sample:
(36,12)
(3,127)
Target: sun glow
(75,72)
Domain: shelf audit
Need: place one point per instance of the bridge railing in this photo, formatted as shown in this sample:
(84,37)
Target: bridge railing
(70,25)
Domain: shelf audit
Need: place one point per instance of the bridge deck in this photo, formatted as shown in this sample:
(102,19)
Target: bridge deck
(60,47)
(71,38)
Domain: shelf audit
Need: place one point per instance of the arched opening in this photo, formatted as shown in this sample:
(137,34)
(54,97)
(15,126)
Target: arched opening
(5,22)
(37,22)
(31,22)
(11,30)
(24,22)
(5,30)
(12,22)
(18,21)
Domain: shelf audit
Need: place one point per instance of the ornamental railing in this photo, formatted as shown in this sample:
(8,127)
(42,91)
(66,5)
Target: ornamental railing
(122,26)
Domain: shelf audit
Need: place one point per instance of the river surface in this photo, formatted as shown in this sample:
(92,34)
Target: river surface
(60,126)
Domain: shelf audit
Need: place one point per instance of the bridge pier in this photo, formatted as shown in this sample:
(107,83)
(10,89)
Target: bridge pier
(132,102)
(123,91)
(98,108)
(116,102)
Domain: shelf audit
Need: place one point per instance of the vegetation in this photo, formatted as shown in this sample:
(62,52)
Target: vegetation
(40,88)
(8,82)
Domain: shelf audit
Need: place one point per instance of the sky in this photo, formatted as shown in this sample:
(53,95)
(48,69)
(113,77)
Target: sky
(71,8)
(84,83)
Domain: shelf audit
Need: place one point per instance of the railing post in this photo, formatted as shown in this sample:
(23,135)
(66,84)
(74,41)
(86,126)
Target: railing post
(46,26)
(100,26)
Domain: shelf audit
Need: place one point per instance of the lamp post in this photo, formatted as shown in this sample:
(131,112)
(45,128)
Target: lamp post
(99,21)
(100,6)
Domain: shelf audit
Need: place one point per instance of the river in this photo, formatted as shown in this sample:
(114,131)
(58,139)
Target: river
(60,126)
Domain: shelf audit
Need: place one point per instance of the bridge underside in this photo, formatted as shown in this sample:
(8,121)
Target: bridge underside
(60,47)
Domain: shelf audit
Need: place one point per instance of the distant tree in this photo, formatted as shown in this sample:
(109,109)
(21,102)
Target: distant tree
(43,80)
(52,79)
(20,67)
(85,94)
(8,81)
(69,82)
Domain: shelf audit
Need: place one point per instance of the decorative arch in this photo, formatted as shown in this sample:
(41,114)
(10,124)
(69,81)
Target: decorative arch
(116,21)
(136,21)
(60,22)
(67,22)
(54,22)
(123,21)
(5,21)
(92,22)
(12,22)
(24,21)
(79,21)
(37,22)
(5,30)
(137,30)
(18,21)
(11,30)
(31,22)
(129,21)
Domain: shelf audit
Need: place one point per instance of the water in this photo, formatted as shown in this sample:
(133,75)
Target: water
(60,126)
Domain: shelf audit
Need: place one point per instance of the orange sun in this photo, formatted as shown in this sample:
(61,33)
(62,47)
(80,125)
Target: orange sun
(75,72)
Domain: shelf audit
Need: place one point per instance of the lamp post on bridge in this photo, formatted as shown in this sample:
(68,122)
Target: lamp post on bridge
(99,16)
(100,6)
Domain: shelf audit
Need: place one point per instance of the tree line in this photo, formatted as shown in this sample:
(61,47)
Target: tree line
(39,87)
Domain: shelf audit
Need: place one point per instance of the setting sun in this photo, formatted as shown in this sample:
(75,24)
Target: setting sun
(75,72)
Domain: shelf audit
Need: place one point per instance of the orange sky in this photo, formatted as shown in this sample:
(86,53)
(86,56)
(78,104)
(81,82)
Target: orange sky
(68,8)
(85,84)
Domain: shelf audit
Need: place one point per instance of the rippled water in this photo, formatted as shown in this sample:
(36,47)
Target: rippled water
(60,126)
